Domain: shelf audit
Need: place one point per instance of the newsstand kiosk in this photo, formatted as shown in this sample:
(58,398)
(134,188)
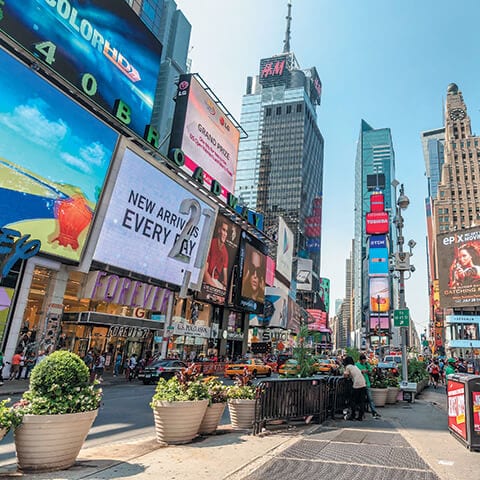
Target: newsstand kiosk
(463,392)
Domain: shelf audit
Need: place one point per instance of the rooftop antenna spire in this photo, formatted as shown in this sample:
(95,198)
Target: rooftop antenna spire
(286,42)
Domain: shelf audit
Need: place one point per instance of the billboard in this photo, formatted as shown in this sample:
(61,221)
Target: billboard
(274,71)
(377,241)
(100,47)
(379,294)
(220,261)
(379,321)
(205,134)
(324,292)
(320,320)
(378,261)
(284,249)
(304,274)
(459,268)
(251,275)
(154,226)
(376,223)
(275,312)
(54,157)
(270,274)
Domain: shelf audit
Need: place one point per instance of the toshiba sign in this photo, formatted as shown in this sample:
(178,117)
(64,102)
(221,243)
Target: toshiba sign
(376,223)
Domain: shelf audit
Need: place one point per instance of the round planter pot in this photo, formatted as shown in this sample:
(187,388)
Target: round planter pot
(212,417)
(178,422)
(242,413)
(379,396)
(392,394)
(45,443)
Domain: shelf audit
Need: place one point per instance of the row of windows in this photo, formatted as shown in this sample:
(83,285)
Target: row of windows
(468,143)
(279,109)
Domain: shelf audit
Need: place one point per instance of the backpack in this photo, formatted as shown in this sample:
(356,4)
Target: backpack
(435,370)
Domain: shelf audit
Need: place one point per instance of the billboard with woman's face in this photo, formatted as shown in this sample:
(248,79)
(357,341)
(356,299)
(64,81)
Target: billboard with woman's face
(459,268)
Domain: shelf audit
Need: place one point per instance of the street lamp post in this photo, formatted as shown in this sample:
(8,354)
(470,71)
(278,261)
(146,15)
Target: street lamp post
(402,264)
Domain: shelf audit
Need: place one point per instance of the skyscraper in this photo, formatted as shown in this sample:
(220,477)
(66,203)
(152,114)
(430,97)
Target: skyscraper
(374,169)
(171,27)
(280,164)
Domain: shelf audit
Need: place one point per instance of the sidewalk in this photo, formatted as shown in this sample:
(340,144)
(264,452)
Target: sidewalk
(409,442)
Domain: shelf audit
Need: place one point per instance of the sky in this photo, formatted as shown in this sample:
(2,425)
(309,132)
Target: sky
(388,62)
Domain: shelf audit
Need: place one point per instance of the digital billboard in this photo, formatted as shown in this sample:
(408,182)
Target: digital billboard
(304,274)
(376,223)
(100,47)
(154,226)
(378,261)
(54,157)
(285,244)
(324,292)
(208,138)
(379,321)
(274,71)
(275,312)
(251,275)
(220,261)
(459,268)
(379,294)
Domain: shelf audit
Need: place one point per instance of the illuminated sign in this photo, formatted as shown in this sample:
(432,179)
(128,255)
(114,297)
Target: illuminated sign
(54,157)
(285,244)
(316,89)
(379,294)
(154,226)
(379,321)
(378,261)
(377,241)
(14,247)
(99,46)
(377,223)
(304,274)
(324,292)
(207,137)
(274,71)
(377,203)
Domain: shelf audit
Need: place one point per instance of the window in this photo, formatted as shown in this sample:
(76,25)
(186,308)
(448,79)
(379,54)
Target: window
(299,108)
(268,112)
(279,111)
(289,109)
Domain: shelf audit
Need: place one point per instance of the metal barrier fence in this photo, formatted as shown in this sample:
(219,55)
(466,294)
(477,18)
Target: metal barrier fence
(292,398)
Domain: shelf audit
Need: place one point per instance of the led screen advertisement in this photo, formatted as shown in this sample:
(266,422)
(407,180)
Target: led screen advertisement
(379,321)
(459,268)
(275,312)
(379,294)
(284,249)
(153,226)
(304,274)
(54,157)
(208,139)
(324,292)
(251,274)
(99,46)
(378,261)
(220,261)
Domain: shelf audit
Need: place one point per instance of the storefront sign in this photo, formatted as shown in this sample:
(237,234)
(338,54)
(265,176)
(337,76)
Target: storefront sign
(124,331)
(235,336)
(124,291)
(191,330)
(13,247)
(275,335)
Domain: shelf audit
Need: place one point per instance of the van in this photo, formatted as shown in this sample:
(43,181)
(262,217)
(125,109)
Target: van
(392,358)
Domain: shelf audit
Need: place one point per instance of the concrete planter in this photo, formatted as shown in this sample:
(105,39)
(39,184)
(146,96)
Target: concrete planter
(212,417)
(392,394)
(178,422)
(3,432)
(379,396)
(242,413)
(45,443)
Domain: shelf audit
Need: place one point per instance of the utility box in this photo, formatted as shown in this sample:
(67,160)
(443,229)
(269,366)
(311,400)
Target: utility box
(463,393)
(409,390)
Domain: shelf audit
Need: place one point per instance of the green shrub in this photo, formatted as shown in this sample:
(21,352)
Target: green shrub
(59,384)
(7,416)
(217,391)
(243,388)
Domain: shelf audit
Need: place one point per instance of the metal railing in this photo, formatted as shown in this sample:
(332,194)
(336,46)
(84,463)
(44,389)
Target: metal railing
(293,398)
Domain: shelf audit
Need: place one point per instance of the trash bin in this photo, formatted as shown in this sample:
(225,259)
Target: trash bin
(463,391)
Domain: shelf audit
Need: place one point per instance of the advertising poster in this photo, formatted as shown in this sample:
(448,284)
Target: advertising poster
(379,294)
(456,408)
(459,268)
(304,274)
(378,261)
(476,411)
(379,322)
(252,271)
(100,47)
(324,291)
(220,260)
(206,135)
(284,249)
(54,157)
(154,226)
(275,312)
(6,296)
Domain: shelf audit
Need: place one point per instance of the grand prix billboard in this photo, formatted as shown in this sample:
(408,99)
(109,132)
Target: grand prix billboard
(100,47)
(459,268)
(206,135)
(154,226)
(54,158)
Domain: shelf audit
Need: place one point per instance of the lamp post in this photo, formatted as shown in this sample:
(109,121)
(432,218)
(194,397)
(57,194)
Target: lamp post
(402,264)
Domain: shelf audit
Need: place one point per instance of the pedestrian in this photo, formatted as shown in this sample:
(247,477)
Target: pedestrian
(434,371)
(29,363)
(366,370)
(132,365)
(118,364)
(16,361)
(357,401)
(99,367)
(1,368)
(40,357)
(450,368)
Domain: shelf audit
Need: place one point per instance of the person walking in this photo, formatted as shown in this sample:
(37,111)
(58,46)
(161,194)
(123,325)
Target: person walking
(16,362)
(357,401)
(366,370)
(29,364)
(118,364)
(100,367)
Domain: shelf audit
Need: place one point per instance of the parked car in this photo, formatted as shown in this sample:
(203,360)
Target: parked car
(326,365)
(290,367)
(160,369)
(254,366)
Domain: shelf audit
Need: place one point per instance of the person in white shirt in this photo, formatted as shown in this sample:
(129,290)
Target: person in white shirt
(357,401)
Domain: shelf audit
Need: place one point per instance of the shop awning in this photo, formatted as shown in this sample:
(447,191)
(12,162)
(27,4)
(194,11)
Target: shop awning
(97,318)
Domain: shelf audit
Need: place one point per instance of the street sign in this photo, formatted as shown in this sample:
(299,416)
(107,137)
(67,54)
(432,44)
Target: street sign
(401,318)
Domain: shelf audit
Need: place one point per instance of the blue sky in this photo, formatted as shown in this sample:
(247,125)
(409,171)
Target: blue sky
(388,62)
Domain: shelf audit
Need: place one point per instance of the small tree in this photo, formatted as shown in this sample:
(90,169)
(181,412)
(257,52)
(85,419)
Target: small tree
(354,353)
(302,354)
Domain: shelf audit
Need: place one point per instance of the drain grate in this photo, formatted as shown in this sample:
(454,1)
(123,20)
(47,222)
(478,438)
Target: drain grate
(307,470)
(384,438)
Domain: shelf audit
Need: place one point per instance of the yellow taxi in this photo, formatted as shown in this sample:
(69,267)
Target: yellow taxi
(254,366)
(290,367)
(326,365)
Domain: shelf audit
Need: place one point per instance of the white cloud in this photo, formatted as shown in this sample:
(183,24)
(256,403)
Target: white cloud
(94,153)
(29,122)
(76,162)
